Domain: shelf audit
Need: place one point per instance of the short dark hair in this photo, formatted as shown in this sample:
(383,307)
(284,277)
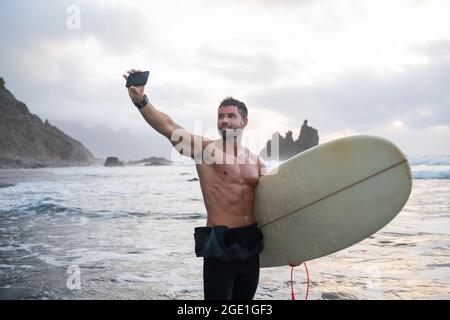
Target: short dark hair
(230,101)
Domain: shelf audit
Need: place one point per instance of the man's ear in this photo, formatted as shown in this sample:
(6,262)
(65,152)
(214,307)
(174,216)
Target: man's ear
(245,120)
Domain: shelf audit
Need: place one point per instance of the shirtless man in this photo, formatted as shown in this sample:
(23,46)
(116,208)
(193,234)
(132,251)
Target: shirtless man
(228,174)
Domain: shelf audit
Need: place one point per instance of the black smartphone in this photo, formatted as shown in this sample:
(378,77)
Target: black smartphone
(137,79)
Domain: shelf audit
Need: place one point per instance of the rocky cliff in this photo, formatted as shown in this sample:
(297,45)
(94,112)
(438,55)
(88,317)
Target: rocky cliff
(26,141)
(288,147)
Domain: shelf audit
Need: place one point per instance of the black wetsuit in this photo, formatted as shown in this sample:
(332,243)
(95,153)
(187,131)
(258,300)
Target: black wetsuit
(230,261)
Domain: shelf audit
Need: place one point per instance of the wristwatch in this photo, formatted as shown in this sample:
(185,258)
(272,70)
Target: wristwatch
(141,104)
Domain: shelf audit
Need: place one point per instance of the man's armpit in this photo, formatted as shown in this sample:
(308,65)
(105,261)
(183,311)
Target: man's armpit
(199,144)
(262,167)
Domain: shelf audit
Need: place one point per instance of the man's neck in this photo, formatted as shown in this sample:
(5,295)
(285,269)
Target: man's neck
(232,145)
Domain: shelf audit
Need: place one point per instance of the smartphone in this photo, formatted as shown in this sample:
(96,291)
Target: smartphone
(137,79)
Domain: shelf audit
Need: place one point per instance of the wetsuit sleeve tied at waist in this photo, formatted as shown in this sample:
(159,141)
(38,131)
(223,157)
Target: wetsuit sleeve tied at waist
(228,244)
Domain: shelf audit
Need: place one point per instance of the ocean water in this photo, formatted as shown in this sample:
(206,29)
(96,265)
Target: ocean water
(127,233)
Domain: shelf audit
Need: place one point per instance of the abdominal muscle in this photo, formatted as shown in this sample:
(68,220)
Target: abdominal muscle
(228,191)
(229,204)
(231,221)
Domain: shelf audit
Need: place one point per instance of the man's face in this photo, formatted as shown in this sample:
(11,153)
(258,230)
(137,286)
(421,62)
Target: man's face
(229,120)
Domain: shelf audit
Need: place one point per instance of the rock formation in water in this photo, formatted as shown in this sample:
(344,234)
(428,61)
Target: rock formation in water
(288,147)
(152,161)
(113,162)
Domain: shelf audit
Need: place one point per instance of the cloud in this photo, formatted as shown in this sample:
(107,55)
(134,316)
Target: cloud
(109,22)
(436,51)
(243,67)
(418,97)
(346,67)
(282,2)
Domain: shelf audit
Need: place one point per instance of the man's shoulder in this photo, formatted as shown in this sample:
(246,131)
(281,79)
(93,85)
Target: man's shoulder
(257,157)
(254,158)
(200,147)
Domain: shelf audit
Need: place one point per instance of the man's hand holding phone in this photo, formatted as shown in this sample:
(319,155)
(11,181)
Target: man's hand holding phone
(136,81)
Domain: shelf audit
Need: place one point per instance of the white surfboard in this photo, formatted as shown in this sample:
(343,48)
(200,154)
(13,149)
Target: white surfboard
(330,197)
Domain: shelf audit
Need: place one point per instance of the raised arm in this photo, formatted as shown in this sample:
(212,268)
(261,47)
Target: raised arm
(184,142)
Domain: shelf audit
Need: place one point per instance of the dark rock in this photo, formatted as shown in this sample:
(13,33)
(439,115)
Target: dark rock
(193,179)
(9,163)
(27,142)
(37,165)
(152,161)
(288,148)
(113,162)
(308,137)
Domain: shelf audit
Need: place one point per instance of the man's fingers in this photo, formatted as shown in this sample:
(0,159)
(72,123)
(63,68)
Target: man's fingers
(133,71)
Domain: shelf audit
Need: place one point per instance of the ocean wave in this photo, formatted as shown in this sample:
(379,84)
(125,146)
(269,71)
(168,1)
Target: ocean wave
(112,214)
(127,278)
(338,296)
(50,208)
(430,160)
(42,207)
(179,216)
(6,185)
(431,174)
(116,214)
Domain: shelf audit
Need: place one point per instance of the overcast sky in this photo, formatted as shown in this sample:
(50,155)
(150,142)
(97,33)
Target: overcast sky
(349,67)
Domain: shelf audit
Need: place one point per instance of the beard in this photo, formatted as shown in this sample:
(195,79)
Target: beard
(230,133)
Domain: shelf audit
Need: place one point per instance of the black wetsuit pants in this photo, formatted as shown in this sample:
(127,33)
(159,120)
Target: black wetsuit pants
(225,280)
